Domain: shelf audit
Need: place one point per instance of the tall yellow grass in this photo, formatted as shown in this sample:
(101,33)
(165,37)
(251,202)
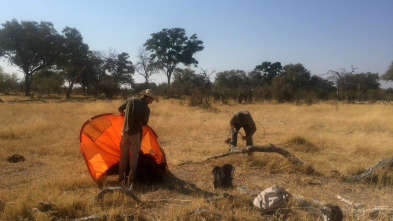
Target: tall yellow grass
(343,137)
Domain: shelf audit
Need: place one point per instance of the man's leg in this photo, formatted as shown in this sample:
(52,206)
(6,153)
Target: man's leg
(247,129)
(124,156)
(234,135)
(135,147)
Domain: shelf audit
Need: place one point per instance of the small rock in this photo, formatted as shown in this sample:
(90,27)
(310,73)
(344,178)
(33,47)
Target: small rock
(16,158)
(43,206)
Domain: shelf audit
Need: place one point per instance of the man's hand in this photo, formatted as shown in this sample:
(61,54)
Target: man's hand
(234,129)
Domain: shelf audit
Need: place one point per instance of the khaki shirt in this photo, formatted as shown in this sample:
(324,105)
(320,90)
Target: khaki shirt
(136,115)
(242,118)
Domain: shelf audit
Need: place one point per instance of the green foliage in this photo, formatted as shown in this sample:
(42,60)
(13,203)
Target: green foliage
(297,76)
(281,89)
(74,59)
(120,67)
(196,86)
(388,76)
(8,82)
(30,45)
(234,84)
(266,72)
(171,47)
(108,86)
(47,82)
(359,84)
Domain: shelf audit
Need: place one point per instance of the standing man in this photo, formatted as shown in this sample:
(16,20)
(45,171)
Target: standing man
(242,119)
(136,114)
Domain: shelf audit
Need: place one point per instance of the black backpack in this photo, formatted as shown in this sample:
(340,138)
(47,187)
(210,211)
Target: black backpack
(223,176)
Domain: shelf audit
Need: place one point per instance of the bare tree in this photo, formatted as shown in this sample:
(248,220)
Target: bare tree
(144,66)
(340,78)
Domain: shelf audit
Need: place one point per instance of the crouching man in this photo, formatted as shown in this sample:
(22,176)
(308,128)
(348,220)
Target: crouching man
(242,119)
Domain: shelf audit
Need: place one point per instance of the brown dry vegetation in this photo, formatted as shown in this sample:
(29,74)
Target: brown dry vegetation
(328,136)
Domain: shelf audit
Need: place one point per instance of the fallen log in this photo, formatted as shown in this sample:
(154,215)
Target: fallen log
(375,212)
(271,148)
(107,216)
(368,172)
(123,190)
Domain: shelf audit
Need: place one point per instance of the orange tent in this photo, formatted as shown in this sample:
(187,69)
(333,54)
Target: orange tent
(100,143)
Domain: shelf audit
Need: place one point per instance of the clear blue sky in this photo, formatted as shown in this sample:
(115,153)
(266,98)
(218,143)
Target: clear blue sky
(237,34)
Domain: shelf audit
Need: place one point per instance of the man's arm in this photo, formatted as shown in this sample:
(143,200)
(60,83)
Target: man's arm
(122,107)
(146,117)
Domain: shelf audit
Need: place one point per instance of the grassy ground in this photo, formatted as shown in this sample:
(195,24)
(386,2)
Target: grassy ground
(328,136)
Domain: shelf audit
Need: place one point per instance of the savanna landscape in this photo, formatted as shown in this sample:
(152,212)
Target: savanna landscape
(53,182)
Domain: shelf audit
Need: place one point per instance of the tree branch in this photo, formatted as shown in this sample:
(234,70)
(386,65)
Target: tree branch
(368,173)
(249,149)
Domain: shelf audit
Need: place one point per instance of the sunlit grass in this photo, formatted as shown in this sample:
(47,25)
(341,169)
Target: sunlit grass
(343,137)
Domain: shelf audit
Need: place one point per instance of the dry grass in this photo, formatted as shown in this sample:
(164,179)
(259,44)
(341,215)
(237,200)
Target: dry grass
(343,137)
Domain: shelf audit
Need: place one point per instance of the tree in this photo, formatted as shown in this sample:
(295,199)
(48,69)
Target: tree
(235,84)
(171,47)
(120,68)
(359,84)
(94,73)
(388,76)
(269,71)
(30,45)
(145,66)
(322,88)
(46,81)
(297,75)
(8,82)
(340,79)
(74,59)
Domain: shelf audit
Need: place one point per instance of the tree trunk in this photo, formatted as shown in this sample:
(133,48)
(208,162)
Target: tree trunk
(27,84)
(69,89)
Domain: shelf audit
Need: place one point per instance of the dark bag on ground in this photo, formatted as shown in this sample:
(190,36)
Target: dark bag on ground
(223,176)
(148,170)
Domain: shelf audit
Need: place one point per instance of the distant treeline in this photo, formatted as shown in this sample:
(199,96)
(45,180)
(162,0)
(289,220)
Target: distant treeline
(64,64)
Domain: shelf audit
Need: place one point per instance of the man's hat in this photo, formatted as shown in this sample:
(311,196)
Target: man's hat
(150,93)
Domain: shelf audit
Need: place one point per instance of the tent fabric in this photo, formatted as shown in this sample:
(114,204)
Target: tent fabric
(100,143)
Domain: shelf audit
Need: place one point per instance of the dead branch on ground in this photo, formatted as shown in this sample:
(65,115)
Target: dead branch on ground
(368,173)
(373,213)
(268,149)
(126,191)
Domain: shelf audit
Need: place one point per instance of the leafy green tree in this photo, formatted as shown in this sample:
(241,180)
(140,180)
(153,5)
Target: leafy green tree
(234,84)
(281,89)
(268,71)
(196,86)
(183,81)
(292,83)
(231,79)
(388,76)
(31,46)
(322,88)
(109,86)
(8,82)
(120,67)
(171,47)
(74,59)
(359,84)
(94,72)
(47,81)
(296,75)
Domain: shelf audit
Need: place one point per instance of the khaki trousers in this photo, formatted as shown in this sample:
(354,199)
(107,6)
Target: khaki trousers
(130,146)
